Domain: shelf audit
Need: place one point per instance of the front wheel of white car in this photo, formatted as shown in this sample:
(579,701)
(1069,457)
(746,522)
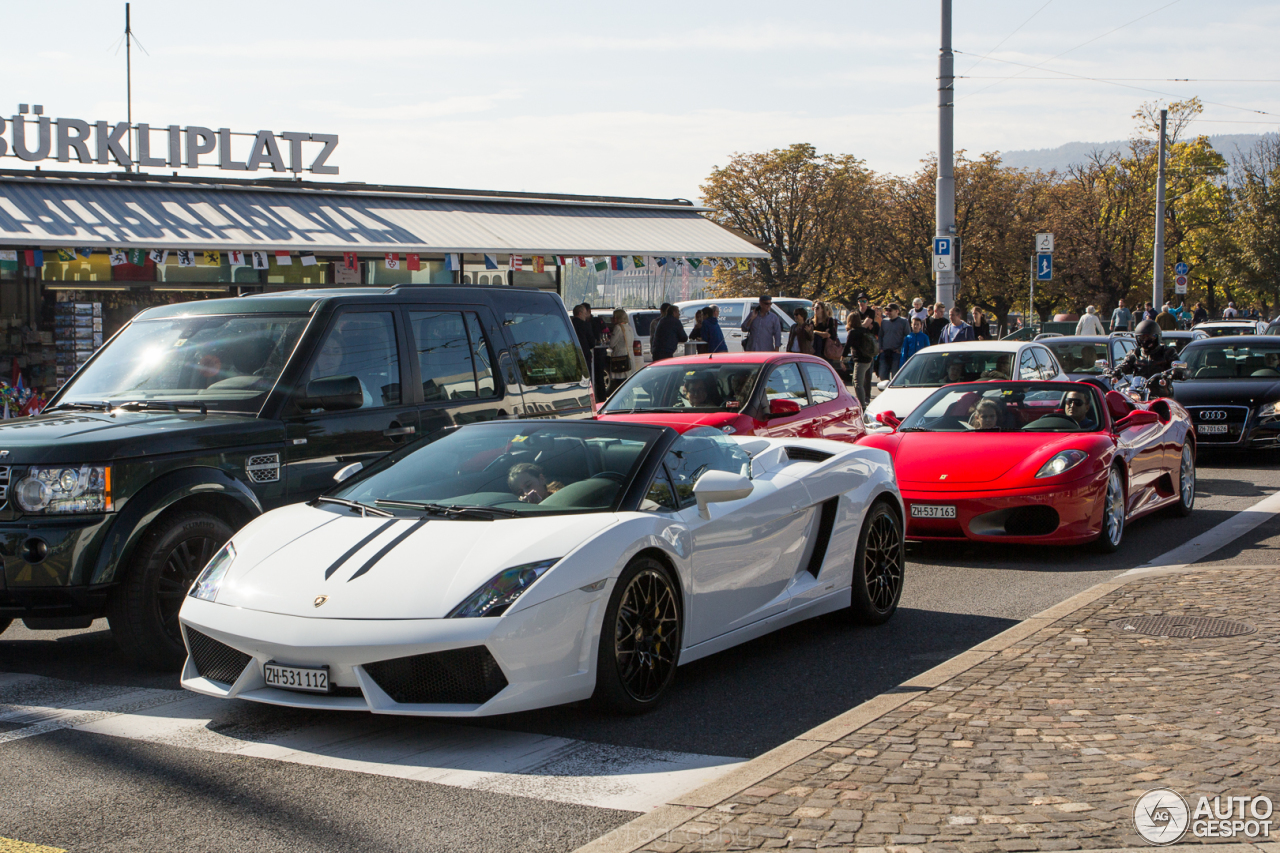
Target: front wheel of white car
(640,639)
(878,566)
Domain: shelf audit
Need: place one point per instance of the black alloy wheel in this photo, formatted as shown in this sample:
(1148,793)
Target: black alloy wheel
(879,566)
(143,611)
(640,638)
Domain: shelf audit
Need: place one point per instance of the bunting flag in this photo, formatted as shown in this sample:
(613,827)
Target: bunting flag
(392,260)
(211,259)
(638,261)
(561,260)
(451,262)
(261,261)
(160,257)
(491,262)
(744,265)
(602,264)
(66,256)
(235,259)
(582,261)
(8,260)
(615,263)
(35,258)
(284,259)
(516,262)
(537,263)
(662,262)
(349,262)
(413,262)
(187,258)
(117,257)
(84,253)
(138,257)
(308,259)
(694,262)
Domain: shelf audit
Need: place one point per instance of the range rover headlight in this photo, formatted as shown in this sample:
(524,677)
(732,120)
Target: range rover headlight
(210,581)
(1061,463)
(65,489)
(501,591)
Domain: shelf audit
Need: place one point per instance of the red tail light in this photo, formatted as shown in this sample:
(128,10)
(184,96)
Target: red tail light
(635,348)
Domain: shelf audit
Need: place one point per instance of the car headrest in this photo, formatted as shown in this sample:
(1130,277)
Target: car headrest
(1215,358)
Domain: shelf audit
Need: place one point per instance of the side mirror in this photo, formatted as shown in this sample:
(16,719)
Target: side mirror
(1137,418)
(781,408)
(889,419)
(1179,370)
(720,486)
(347,471)
(882,384)
(333,394)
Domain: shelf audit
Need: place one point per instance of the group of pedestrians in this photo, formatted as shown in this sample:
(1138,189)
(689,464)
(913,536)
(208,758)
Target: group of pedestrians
(668,333)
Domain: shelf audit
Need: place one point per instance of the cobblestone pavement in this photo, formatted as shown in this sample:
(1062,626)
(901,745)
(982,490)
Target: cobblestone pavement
(1046,745)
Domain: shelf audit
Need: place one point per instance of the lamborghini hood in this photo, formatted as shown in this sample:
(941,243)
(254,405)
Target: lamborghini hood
(288,560)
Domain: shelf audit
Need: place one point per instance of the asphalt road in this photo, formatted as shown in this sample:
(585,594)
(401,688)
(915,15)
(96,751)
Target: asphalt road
(80,790)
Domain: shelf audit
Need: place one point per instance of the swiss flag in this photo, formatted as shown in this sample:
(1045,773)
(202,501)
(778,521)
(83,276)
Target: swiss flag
(516,262)
(412,262)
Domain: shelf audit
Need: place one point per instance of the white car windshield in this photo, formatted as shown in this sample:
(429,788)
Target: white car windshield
(930,369)
(1008,407)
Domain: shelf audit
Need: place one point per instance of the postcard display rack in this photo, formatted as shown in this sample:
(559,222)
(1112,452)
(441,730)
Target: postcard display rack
(78,333)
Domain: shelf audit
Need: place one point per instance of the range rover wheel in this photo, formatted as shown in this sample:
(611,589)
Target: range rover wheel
(640,639)
(878,566)
(143,610)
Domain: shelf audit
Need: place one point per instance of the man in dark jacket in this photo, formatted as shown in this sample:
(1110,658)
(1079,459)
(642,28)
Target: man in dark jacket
(667,335)
(582,328)
(712,334)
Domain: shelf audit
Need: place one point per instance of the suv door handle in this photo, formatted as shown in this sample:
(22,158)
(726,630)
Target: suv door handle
(392,431)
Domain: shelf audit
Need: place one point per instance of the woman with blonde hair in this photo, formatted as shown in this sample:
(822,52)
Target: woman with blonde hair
(622,340)
(824,330)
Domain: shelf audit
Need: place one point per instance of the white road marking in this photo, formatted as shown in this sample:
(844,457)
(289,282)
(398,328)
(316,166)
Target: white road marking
(515,763)
(1208,542)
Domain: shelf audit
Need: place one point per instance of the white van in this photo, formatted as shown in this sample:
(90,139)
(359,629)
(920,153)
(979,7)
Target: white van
(732,310)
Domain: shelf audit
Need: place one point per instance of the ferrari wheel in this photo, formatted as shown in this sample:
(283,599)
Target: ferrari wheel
(878,566)
(640,640)
(1112,513)
(1186,482)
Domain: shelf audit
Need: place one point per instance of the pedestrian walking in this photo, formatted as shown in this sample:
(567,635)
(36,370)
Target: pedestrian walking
(860,350)
(1166,321)
(1148,312)
(864,308)
(1121,318)
(915,341)
(763,328)
(1200,314)
(981,328)
(893,331)
(800,335)
(918,311)
(667,335)
(711,331)
(958,330)
(622,346)
(1229,313)
(1090,324)
(934,326)
(586,334)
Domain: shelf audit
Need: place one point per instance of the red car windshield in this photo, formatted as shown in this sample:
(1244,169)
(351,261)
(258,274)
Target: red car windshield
(1007,407)
(710,387)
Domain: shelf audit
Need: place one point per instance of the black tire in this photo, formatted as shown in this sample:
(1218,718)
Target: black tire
(1185,483)
(4,624)
(1113,517)
(878,566)
(639,639)
(143,610)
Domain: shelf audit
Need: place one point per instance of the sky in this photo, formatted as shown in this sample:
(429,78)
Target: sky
(639,99)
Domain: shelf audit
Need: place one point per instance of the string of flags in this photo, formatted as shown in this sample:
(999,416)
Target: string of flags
(261,260)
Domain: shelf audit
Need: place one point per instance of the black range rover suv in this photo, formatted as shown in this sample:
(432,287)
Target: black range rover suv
(197,417)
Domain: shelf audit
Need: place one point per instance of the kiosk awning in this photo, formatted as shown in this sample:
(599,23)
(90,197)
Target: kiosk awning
(150,214)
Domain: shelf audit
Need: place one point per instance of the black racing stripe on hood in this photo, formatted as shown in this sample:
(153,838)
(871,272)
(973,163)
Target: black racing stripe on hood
(328,573)
(388,548)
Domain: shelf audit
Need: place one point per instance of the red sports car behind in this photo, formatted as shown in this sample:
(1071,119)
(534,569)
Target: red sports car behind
(746,393)
(1039,462)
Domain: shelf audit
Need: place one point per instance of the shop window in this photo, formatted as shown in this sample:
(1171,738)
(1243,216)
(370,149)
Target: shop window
(432,272)
(96,267)
(204,271)
(294,273)
(484,279)
(466,279)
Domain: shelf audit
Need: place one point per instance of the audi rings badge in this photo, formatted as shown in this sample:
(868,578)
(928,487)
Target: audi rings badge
(1213,415)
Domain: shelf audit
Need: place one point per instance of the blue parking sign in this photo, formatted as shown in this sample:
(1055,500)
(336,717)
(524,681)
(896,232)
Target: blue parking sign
(1044,267)
(942,245)
(1181,268)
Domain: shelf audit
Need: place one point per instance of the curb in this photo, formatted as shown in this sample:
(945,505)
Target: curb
(651,826)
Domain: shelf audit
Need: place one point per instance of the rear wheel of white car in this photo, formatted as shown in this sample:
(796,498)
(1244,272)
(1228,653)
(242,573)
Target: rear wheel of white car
(878,566)
(143,610)
(640,638)
(1186,482)
(1113,513)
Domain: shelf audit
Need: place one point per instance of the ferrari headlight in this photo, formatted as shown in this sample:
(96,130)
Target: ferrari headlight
(501,591)
(210,581)
(1062,462)
(65,489)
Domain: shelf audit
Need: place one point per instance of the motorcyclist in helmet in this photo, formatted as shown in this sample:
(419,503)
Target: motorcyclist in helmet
(1151,357)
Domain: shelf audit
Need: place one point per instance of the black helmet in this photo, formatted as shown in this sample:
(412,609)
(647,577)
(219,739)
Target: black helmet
(1148,335)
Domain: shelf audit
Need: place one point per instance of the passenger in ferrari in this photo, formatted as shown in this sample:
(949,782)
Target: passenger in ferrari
(527,481)
(1150,358)
(986,415)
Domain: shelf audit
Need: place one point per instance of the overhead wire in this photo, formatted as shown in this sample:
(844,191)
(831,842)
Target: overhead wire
(1011,35)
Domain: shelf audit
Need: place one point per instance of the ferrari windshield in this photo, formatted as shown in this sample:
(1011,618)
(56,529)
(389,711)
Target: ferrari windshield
(711,386)
(510,468)
(228,363)
(1080,356)
(930,369)
(1008,407)
(1254,360)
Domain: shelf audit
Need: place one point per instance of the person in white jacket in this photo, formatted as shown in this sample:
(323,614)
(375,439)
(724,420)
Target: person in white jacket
(1090,324)
(622,340)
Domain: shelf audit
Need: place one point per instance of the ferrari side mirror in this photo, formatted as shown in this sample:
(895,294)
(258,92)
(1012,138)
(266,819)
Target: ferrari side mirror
(720,486)
(1136,418)
(889,419)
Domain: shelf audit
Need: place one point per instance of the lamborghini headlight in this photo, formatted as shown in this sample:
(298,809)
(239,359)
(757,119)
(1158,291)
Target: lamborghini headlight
(210,581)
(502,590)
(65,489)
(1061,463)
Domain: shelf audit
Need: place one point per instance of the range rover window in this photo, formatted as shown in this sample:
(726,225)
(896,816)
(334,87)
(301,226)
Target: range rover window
(544,349)
(453,359)
(362,345)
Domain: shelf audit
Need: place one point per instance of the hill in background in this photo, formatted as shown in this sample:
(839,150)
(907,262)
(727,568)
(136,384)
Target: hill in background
(1228,144)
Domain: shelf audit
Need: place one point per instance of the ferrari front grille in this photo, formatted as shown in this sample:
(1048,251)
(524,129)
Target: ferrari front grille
(216,661)
(1031,521)
(468,676)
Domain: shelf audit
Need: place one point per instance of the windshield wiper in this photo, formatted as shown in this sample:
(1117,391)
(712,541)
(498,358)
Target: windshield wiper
(167,405)
(96,407)
(363,509)
(452,510)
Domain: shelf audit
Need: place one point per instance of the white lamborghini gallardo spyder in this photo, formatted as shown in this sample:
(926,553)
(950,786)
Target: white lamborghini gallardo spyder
(510,565)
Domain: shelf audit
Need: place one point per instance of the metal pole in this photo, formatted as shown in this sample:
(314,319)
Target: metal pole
(1031,298)
(128,78)
(947,282)
(1157,282)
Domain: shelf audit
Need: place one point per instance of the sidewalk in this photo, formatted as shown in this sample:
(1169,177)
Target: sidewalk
(1041,738)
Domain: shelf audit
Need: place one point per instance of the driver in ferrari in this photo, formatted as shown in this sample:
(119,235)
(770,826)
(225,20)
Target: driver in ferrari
(1150,358)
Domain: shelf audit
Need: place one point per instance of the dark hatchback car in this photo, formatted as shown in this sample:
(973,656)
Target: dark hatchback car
(1232,391)
(197,417)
